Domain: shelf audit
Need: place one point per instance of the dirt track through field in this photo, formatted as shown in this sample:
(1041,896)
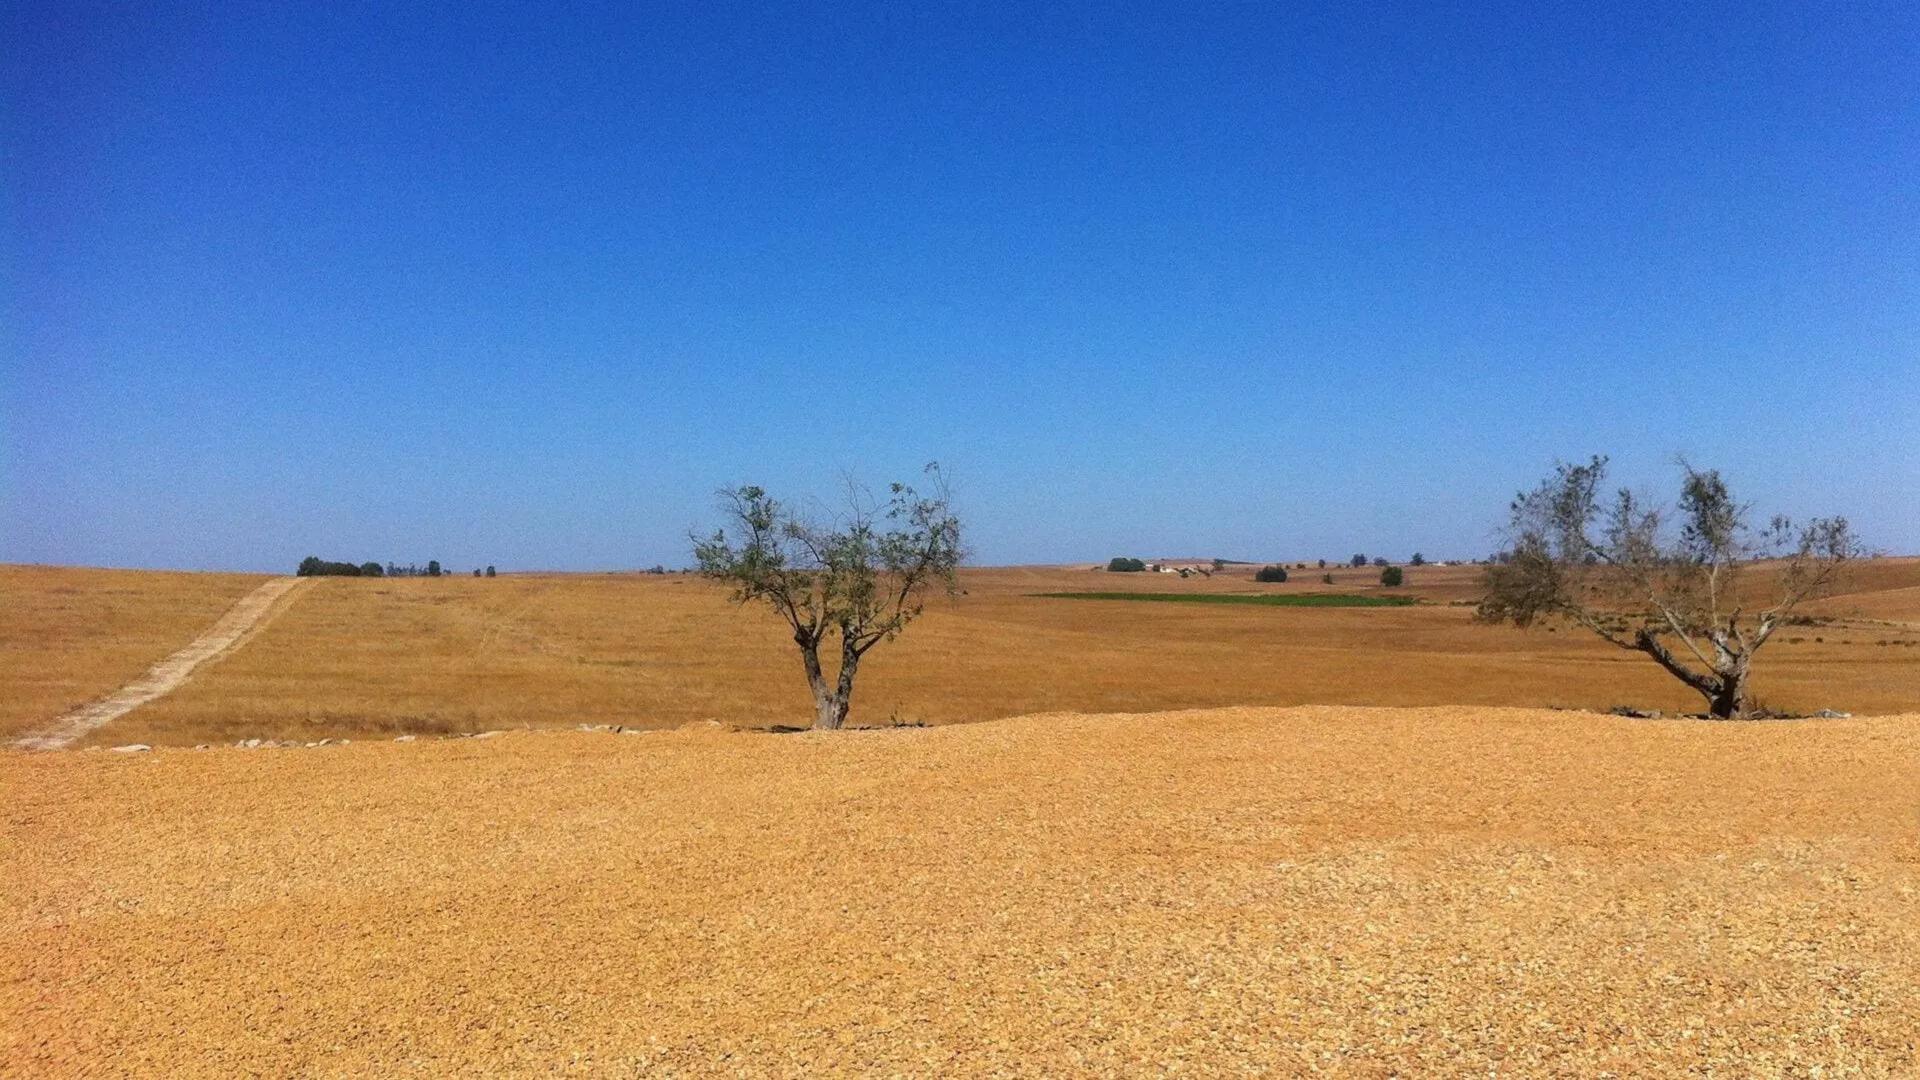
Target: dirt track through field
(233,628)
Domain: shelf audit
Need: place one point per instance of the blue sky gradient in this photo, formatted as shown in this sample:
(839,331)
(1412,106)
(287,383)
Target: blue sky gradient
(523,286)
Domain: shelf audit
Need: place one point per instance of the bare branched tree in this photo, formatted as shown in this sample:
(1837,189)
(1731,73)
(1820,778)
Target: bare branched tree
(861,578)
(1669,589)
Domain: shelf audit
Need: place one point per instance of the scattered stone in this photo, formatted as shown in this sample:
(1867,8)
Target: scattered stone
(1833,714)
(1637,714)
(251,744)
(403,738)
(487,734)
(203,746)
(132,748)
(632,731)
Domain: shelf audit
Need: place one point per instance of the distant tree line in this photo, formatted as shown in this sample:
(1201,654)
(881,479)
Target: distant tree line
(315,566)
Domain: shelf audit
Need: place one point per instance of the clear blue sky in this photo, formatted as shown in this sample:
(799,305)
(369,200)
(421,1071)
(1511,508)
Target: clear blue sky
(525,285)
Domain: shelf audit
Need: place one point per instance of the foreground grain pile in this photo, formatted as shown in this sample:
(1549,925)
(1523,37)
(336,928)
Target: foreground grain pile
(1337,888)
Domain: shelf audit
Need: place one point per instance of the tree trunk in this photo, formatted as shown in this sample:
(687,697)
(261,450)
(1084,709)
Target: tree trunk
(828,711)
(830,702)
(1728,701)
(832,705)
(1703,684)
(1725,688)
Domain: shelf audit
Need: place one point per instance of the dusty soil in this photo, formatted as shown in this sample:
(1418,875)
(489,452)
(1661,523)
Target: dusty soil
(1365,891)
(231,630)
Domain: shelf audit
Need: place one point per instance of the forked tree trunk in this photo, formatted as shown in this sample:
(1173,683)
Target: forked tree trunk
(1725,687)
(1728,701)
(833,708)
(1729,698)
(829,709)
(830,701)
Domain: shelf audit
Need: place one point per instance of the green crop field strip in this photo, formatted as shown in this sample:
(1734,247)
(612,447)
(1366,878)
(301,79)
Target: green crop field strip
(1262,599)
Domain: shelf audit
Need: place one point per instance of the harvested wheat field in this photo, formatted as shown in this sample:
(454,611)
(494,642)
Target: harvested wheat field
(358,658)
(69,635)
(1363,891)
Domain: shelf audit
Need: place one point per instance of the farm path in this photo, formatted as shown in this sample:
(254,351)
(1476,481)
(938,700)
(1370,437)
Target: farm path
(231,630)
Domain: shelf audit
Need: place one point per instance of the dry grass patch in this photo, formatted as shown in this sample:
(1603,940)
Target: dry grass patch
(69,635)
(354,656)
(457,654)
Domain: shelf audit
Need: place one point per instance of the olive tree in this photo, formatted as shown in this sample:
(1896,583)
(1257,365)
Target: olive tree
(1666,583)
(860,578)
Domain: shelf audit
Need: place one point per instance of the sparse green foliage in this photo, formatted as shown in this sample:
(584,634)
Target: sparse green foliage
(1624,572)
(1271,574)
(1391,577)
(1359,560)
(862,578)
(1326,579)
(1123,565)
(1417,560)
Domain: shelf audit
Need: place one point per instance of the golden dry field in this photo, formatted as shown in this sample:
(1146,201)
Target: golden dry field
(1445,891)
(69,635)
(354,657)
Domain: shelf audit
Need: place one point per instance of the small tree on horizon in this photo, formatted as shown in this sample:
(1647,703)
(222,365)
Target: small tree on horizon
(1417,560)
(490,570)
(433,567)
(1359,560)
(1624,573)
(862,578)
